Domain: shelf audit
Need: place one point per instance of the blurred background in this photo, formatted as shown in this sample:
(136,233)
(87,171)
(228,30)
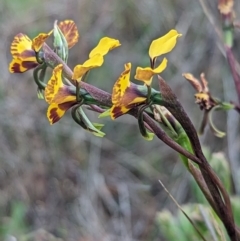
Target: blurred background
(62,180)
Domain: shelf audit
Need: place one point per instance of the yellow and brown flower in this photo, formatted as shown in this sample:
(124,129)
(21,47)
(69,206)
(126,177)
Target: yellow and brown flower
(125,95)
(59,96)
(24,57)
(24,50)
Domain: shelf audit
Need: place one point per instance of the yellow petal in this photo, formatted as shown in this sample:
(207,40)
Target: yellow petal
(121,85)
(163,44)
(54,84)
(104,46)
(125,105)
(146,74)
(162,66)
(54,113)
(70,32)
(137,100)
(117,111)
(56,92)
(80,70)
(63,96)
(18,65)
(24,58)
(21,43)
(38,41)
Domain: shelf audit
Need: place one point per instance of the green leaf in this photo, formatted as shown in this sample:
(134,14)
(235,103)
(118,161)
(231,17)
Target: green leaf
(220,165)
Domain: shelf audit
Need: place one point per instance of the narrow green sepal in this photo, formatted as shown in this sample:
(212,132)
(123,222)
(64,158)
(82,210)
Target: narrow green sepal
(98,125)
(146,135)
(60,43)
(215,130)
(39,75)
(226,106)
(183,141)
(174,130)
(80,118)
(95,129)
(40,94)
(149,136)
(105,114)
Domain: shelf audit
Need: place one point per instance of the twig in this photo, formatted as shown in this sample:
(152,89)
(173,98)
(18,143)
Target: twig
(184,213)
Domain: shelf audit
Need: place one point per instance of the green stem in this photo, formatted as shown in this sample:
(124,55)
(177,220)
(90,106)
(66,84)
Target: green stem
(38,76)
(227,26)
(141,124)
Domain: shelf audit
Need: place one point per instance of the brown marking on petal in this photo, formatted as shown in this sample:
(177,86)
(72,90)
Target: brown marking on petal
(120,86)
(19,66)
(20,43)
(54,84)
(53,116)
(70,31)
(64,95)
(116,112)
(50,89)
(116,95)
(67,105)
(28,53)
(132,96)
(16,68)
(56,112)
(38,41)
(29,65)
(23,56)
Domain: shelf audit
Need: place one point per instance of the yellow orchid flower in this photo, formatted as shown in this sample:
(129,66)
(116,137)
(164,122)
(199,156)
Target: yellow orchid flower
(125,94)
(24,57)
(23,49)
(60,97)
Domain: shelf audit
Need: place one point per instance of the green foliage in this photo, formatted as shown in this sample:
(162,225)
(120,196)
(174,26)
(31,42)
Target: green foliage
(14,224)
(220,165)
(178,227)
